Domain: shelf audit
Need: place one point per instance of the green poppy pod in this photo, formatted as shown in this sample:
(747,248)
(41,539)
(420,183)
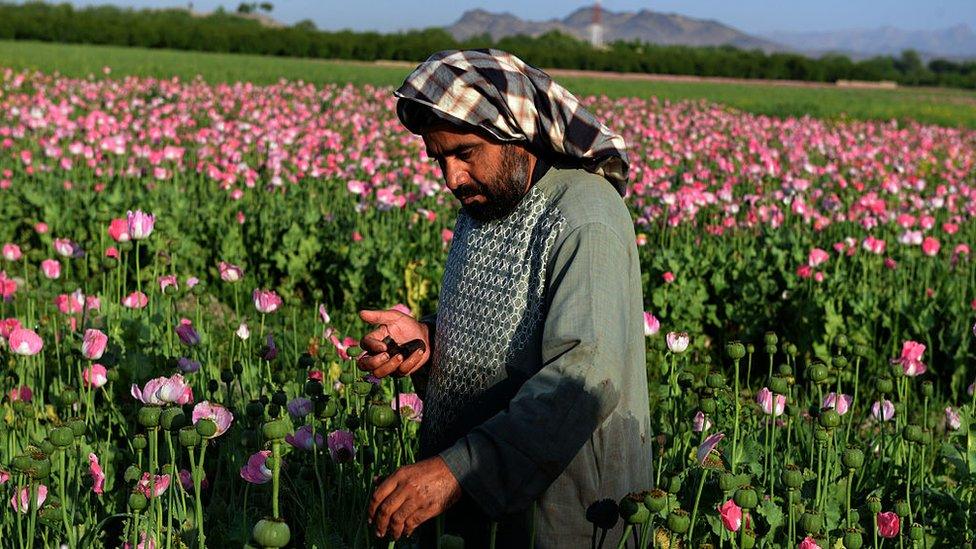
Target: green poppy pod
(785,370)
(276,429)
(913,433)
(928,389)
(853,458)
(715,380)
(139,442)
(189,437)
(137,501)
(840,362)
(885,385)
(633,510)
(818,372)
(678,521)
(792,477)
(746,497)
(874,505)
(735,350)
(132,473)
(916,532)
(326,407)
(709,405)
(811,522)
(674,484)
(254,409)
(829,418)
(362,388)
(149,416)
(770,349)
(313,388)
(727,482)
(381,416)
(78,426)
(172,419)
(770,338)
(21,463)
(656,500)
(853,539)
(841,341)
(68,397)
(206,428)
(779,385)
(902,508)
(347,377)
(61,437)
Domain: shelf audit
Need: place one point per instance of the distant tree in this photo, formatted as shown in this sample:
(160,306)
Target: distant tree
(245,7)
(306,25)
(267,7)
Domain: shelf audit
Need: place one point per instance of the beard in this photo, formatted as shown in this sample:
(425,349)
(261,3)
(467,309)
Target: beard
(505,190)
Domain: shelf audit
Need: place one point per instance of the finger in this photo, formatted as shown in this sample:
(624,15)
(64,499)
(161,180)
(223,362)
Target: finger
(373,341)
(379,317)
(369,363)
(398,522)
(382,491)
(411,363)
(388,367)
(386,510)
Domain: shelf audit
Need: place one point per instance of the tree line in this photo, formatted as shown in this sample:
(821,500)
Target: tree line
(229,33)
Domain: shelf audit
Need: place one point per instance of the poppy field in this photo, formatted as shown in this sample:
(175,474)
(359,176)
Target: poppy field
(182,263)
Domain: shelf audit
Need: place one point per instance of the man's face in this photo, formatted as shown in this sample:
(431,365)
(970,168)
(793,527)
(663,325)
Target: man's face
(488,177)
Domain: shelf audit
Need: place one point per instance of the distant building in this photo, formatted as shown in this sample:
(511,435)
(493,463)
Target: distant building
(596,27)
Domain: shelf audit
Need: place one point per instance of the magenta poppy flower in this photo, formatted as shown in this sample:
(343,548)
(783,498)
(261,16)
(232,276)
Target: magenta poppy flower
(214,412)
(888,524)
(808,543)
(186,481)
(256,470)
(98,476)
(51,268)
(266,301)
(953,420)
(26,342)
(931,246)
(731,516)
(95,376)
(8,287)
(817,257)
(230,272)
(4,477)
(140,224)
(22,503)
(677,341)
(152,485)
(135,300)
(11,252)
(341,446)
(303,439)
(910,359)
(411,406)
(841,403)
(93,344)
(187,334)
(707,446)
(7,326)
(20,394)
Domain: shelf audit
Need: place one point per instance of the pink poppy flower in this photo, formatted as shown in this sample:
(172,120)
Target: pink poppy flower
(341,446)
(4,477)
(175,390)
(447,235)
(256,471)
(112,252)
(95,376)
(411,406)
(808,543)
(841,403)
(147,394)
(700,422)
(316,375)
(342,346)
(40,228)
(230,272)
(930,246)
(323,314)
(22,503)
(243,332)
(651,324)
(214,412)
(668,277)
(20,394)
(888,524)
(118,229)
(266,301)
(25,342)
(94,343)
(883,410)
(51,268)
(167,281)
(677,341)
(303,439)
(186,481)
(910,359)
(952,418)
(771,403)
(8,286)
(98,476)
(140,224)
(707,446)
(7,326)
(817,257)
(144,543)
(11,252)
(187,334)
(152,486)
(731,516)
(64,247)
(135,300)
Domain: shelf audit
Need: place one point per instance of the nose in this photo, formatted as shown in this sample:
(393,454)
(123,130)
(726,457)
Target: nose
(455,176)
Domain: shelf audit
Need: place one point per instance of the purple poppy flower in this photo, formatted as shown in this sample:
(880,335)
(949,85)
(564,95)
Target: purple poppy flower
(300,407)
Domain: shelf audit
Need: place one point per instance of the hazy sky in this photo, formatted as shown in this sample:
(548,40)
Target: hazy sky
(754,16)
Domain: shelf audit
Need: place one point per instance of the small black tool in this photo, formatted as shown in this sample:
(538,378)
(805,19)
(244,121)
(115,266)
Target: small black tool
(405,350)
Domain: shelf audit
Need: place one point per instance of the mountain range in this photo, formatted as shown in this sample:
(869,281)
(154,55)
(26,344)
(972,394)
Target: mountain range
(956,42)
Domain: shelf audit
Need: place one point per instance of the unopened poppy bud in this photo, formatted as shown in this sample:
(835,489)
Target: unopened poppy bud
(750,348)
(61,437)
(254,409)
(916,532)
(779,385)
(811,522)
(226,376)
(770,349)
(818,372)
(792,350)
(238,368)
(715,380)
(172,418)
(674,484)
(68,397)
(137,501)
(633,510)
(820,434)
(132,473)
(276,429)
(874,505)
(841,341)
(212,386)
(656,500)
(927,389)
(785,370)
(840,362)
(853,539)
(678,521)
(362,388)
(727,482)
(746,497)
(913,433)
(148,416)
(189,437)
(139,442)
(709,405)
(770,338)
(735,350)
(902,508)
(686,380)
(853,458)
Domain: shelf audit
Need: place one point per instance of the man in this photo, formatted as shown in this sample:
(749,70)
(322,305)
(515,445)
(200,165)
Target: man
(533,379)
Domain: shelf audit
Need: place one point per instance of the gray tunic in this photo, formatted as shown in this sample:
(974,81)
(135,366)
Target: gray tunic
(537,391)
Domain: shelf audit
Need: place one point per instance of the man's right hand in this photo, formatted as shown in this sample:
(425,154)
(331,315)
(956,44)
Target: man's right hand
(402,328)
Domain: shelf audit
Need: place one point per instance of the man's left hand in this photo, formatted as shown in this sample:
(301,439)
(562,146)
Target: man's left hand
(412,495)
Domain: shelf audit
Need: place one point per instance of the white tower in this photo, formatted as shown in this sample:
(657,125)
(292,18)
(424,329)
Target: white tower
(596,27)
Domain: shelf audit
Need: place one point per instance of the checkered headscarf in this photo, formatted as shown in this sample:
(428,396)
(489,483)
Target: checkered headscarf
(513,101)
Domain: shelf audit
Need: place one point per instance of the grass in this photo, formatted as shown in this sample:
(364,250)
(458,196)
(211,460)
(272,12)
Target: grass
(945,107)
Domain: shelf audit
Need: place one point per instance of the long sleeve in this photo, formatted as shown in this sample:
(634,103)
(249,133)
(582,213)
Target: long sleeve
(511,459)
